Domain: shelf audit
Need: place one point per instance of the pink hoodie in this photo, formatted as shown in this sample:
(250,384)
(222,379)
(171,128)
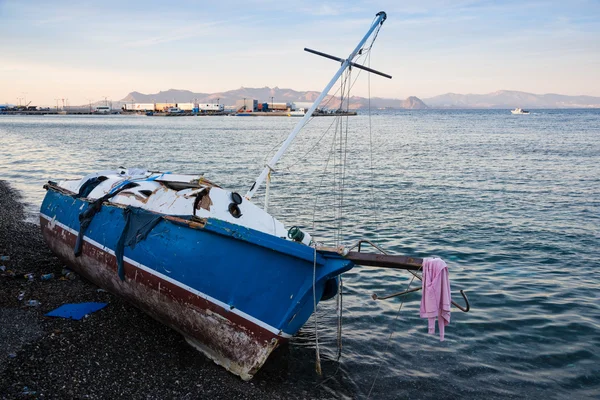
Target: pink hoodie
(435,302)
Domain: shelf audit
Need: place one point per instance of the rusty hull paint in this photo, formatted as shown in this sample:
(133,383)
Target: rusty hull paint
(224,337)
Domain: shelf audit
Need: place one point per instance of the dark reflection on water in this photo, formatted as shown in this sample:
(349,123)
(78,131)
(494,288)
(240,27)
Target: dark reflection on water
(511,202)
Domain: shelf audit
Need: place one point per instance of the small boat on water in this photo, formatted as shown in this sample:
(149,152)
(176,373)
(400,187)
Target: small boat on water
(202,259)
(519,111)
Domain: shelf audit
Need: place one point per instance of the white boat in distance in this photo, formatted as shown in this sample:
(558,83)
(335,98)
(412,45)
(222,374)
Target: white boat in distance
(519,111)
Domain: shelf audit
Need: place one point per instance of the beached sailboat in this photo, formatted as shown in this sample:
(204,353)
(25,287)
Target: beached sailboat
(202,259)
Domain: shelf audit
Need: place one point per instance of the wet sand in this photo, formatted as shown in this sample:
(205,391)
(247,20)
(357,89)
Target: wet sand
(117,352)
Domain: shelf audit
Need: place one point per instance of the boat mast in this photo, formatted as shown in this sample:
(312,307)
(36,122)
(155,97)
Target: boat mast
(381,16)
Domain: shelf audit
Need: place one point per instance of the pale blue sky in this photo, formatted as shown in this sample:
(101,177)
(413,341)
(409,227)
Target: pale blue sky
(90,49)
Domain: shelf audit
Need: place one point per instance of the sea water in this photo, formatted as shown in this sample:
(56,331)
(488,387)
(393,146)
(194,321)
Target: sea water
(511,202)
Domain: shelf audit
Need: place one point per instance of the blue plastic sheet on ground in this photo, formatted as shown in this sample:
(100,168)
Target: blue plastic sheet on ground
(76,311)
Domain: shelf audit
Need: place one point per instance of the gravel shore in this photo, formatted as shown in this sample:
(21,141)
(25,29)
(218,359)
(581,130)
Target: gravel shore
(117,352)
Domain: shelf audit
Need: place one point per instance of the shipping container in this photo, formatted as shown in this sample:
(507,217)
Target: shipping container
(139,107)
(280,106)
(144,106)
(186,106)
(164,106)
(210,107)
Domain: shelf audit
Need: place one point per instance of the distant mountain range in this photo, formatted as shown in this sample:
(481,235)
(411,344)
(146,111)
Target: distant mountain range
(511,99)
(264,95)
(499,99)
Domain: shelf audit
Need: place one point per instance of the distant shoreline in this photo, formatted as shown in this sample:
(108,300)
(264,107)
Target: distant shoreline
(359,111)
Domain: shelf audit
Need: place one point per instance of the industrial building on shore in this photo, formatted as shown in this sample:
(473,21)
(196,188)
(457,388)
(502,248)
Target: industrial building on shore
(246,105)
(252,105)
(165,107)
(243,107)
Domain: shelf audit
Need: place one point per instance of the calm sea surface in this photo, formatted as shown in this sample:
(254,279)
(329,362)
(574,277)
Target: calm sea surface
(511,202)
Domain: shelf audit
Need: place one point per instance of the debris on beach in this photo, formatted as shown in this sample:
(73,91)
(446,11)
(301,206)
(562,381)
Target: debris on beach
(76,311)
(33,303)
(46,277)
(67,274)
(4,258)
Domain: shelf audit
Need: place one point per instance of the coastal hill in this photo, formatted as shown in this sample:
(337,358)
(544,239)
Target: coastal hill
(229,98)
(413,103)
(511,99)
(500,99)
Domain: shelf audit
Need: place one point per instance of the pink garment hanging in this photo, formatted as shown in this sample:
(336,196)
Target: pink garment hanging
(436,299)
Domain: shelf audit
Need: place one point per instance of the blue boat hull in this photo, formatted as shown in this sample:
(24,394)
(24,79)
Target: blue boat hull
(233,292)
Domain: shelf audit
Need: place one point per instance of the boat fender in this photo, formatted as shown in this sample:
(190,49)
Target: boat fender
(234,210)
(331,289)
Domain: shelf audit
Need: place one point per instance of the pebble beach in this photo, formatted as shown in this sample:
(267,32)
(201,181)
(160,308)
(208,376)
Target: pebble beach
(117,352)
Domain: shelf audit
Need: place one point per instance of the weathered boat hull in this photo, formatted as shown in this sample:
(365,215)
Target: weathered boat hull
(235,303)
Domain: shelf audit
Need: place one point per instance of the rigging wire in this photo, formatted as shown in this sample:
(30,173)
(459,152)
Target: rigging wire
(309,151)
(343,150)
(361,54)
(389,339)
(331,97)
(345,84)
(318,355)
(321,181)
(304,156)
(340,224)
(339,311)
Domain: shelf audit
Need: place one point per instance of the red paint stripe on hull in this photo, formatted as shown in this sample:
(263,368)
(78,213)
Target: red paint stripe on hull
(227,335)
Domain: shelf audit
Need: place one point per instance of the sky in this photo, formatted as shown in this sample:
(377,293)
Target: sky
(88,50)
